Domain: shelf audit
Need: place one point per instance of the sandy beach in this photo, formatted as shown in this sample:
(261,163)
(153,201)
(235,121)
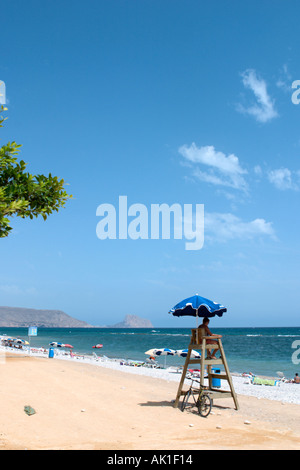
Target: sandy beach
(82,406)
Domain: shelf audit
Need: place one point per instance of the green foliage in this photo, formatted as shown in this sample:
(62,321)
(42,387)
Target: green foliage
(23,194)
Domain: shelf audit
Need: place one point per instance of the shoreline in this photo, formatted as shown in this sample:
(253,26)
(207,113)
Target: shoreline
(241,345)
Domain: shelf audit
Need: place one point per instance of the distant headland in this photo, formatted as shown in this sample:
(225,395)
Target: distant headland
(18,317)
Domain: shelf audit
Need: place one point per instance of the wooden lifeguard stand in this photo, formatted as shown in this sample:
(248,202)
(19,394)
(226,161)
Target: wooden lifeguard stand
(199,342)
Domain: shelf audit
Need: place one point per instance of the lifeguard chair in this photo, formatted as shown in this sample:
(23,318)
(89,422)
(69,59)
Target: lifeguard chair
(199,342)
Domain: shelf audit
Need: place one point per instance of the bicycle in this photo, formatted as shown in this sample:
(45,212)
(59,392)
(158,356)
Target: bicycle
(203,401)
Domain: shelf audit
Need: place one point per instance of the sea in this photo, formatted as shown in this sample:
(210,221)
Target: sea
(261,351)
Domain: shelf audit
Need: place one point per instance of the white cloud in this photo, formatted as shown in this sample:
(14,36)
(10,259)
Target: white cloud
(227,226)
(222,170)
(282,179)
(263,110)
(224,227)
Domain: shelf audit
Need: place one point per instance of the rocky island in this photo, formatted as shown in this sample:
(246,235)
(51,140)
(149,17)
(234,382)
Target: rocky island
(133,321)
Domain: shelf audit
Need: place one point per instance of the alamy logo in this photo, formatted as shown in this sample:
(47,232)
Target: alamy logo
(135,222)
(2,92)
(296,354)
(295,95)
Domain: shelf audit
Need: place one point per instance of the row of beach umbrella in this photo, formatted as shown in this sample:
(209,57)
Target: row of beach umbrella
(172,352)
(14,340)
(55,344)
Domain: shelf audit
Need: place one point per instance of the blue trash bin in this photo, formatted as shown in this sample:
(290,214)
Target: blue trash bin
(216,383)
(51,352)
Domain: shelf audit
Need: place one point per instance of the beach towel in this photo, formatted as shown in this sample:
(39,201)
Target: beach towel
(259,381)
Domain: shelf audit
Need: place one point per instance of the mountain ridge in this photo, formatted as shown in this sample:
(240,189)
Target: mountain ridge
(17,317)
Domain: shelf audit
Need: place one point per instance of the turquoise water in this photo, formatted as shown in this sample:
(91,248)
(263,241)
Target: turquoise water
(262,351)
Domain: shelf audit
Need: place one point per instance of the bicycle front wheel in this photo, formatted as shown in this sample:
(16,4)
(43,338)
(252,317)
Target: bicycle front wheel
(204,405)
(185,400)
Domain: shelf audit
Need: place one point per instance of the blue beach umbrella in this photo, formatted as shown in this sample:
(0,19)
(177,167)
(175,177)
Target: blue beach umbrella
(197,306)
(164,352)
(21,341)
(184,352)
(161,352)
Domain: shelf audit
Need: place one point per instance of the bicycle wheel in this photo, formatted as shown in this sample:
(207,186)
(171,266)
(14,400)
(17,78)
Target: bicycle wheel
(185,400)
(204,405)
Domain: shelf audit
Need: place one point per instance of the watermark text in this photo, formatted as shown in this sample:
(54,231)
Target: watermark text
(161,221)
(296,354)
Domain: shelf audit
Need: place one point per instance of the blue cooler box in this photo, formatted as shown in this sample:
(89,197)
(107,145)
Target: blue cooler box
(216,383)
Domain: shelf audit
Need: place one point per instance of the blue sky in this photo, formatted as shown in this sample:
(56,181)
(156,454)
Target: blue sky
(164,102)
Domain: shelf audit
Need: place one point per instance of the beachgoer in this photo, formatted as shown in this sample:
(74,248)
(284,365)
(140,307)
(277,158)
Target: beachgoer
(151,360)
(296,379)
(210,341)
